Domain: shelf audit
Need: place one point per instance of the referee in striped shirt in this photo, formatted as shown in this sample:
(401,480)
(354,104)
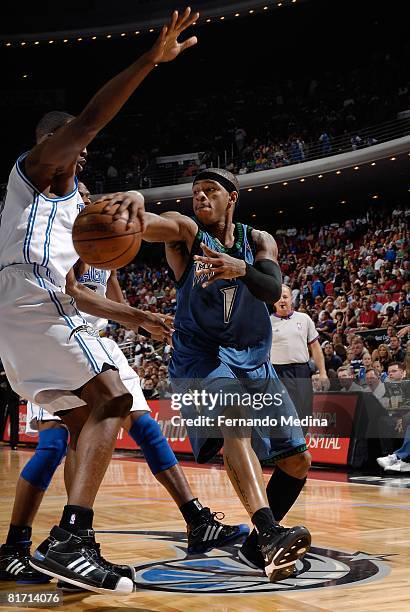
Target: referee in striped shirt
(293,334)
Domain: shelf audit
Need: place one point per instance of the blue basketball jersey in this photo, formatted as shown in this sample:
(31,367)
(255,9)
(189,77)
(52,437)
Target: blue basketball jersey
(223,319)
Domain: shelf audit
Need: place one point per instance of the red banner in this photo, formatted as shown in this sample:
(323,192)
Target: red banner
(337,408)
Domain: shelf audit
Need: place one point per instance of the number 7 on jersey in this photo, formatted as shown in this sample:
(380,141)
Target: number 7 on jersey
(229,294)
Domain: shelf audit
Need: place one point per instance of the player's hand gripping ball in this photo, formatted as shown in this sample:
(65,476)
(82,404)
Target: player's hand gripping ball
(108,233)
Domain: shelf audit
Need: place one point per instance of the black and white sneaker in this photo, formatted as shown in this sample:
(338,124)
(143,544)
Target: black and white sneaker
(15,565)
(281,548)
(88,537)
(208,532)
(68,557)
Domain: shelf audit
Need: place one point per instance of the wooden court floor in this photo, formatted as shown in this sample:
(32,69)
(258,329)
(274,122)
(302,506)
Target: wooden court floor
(360,559)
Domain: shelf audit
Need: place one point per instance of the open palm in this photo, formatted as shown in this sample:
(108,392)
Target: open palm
(167,47)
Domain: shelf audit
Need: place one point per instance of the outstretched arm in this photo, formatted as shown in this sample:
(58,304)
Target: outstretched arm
(114,291)
(263,279)
(98,306)
(57,155)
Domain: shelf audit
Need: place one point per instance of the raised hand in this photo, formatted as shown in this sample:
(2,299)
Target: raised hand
(167,47)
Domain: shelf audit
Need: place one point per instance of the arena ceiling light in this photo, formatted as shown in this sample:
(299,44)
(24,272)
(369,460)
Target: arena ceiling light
(320,176)
(285,183)
(302,180)
(250,189)
(356,168)
(338,172)
(375,197)
(177,201)
(266,187)
(343,202)
(280,212)
(392,159)
(373,164)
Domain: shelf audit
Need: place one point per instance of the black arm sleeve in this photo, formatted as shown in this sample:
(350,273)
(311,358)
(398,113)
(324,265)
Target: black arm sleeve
(264,280)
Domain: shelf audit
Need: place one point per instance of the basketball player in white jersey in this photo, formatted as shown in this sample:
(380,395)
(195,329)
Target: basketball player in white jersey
(49,355)
(204,531)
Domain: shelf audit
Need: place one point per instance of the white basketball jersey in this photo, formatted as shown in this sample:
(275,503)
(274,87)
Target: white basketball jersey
(36,230)
(96,280)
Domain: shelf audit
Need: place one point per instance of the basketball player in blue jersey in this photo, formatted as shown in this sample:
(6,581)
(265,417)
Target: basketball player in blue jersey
(225,272)
(51,449)
(36,254)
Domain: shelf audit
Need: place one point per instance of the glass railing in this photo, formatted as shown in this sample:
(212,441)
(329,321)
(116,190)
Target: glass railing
(263,156)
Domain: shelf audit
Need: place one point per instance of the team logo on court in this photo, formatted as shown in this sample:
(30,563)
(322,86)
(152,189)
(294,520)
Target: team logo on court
(220,571)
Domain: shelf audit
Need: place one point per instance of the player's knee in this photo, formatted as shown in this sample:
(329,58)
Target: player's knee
(298,465)
(146,432)
(50,451)
(118,405)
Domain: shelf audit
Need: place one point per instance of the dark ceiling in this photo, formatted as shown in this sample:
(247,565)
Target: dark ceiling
(80,15)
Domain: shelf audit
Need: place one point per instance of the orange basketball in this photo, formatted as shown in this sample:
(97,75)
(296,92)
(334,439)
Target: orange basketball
(102,242)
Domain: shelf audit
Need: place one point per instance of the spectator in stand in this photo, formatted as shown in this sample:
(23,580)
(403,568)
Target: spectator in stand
(389,303)
(358,352)
(390,318)
(375,385)
(368,318)
(325,145)
(403,316)
(384,356)
(326,324)
(350,319)
(149,390)
(379,369)
(375,304)
(397,353)
(367,361)
(346,379)
(318,288)
(332,361)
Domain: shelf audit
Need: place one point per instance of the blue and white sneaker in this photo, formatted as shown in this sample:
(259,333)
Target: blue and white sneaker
(207,532)
(15,565)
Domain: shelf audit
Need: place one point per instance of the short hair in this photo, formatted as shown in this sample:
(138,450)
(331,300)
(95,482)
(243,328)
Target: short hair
(357,340)
(400,365)
(344,369)
(50,122)
(372,370)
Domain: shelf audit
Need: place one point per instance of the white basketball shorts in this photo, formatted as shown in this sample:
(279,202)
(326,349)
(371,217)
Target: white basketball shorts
(47,348)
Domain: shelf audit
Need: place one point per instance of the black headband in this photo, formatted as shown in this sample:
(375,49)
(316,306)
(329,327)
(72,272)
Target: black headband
(214,176)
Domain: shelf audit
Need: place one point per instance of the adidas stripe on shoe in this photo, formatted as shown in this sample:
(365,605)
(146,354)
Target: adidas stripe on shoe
(67,557)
